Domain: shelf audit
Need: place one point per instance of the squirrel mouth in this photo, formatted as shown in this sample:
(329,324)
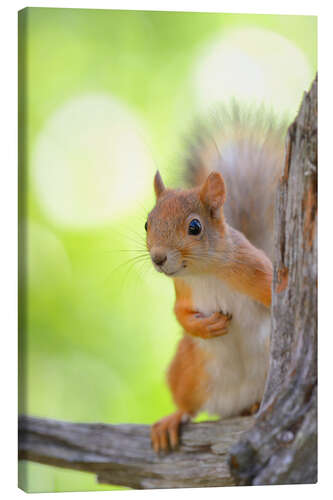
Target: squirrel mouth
(174,272)
(170,274)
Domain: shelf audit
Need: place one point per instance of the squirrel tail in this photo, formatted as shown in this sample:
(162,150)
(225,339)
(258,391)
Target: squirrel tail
(247,147)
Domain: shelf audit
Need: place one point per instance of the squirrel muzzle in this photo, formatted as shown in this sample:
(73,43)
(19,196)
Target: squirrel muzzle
(166,261)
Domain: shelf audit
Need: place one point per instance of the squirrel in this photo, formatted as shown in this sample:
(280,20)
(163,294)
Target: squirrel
(215,240)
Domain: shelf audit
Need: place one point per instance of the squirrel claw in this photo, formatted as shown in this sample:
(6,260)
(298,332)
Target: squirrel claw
(165,433)
(216,325)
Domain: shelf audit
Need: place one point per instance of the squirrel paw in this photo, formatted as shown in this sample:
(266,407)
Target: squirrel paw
(213,326)
(165,432)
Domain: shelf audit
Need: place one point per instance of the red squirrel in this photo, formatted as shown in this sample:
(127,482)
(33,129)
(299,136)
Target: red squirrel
(215,240)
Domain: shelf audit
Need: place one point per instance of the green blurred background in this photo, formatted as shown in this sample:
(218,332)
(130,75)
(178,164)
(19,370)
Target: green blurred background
(106,97)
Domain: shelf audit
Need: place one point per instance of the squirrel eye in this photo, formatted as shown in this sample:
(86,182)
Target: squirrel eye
(194,227)
(146,226)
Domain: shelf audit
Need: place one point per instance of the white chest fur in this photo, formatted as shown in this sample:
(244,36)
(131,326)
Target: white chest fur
(238,362)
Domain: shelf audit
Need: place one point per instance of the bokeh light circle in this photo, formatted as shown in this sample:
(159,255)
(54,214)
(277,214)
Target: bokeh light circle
(91,162)
(253,66)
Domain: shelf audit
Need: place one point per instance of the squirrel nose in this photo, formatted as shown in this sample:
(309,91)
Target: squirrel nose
(159,258)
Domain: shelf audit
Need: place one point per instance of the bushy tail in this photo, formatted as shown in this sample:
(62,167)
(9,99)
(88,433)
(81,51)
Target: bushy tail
(247,148)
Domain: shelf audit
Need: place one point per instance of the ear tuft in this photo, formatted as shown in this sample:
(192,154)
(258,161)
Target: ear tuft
(213,192)
(158,184)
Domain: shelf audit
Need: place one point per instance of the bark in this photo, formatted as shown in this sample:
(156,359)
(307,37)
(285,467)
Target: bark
(282,446)
(279,445)
(122,454)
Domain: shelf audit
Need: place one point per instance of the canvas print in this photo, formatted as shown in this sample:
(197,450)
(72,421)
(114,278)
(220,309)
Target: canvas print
(167,249)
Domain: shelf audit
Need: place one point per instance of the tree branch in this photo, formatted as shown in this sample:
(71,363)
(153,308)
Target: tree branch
(122,454)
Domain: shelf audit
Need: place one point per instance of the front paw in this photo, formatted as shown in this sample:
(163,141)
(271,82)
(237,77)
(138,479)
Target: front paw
(165,432)
(212,326)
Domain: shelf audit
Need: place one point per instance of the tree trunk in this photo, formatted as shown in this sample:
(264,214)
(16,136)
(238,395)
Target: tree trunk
(282,446)
(279,445)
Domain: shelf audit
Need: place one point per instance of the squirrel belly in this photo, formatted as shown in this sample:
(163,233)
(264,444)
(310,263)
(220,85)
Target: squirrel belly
(236,364)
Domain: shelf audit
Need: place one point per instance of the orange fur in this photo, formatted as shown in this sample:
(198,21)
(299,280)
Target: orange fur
(187,376)
(251,273)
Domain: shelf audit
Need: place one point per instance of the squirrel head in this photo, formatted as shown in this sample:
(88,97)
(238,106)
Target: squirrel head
(186,228)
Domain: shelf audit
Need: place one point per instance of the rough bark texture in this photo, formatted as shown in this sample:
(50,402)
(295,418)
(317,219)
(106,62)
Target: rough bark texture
(281,446)
(122,454)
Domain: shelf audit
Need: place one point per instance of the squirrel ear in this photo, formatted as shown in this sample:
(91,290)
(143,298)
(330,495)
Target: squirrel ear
(158,184)
(213,192)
